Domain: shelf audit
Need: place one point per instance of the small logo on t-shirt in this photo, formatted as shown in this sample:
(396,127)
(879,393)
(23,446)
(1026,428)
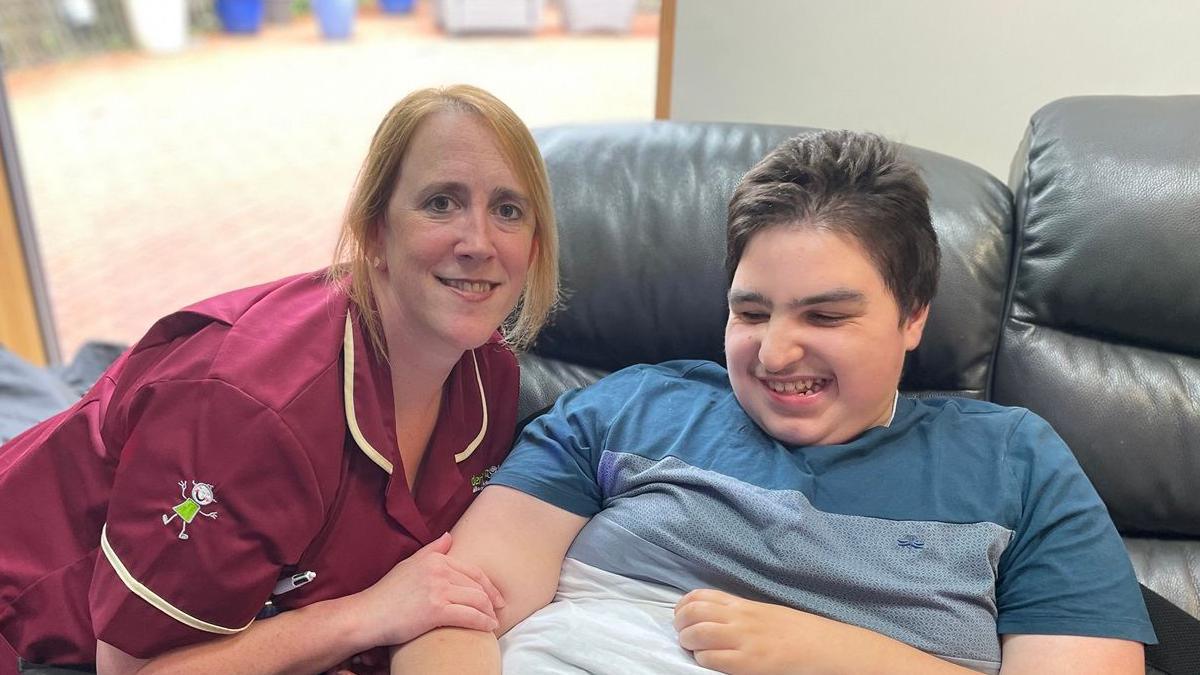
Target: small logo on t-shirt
(480,479)
(189,508)
(910,541)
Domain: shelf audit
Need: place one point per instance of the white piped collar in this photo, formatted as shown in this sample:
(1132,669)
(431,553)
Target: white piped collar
(348,365)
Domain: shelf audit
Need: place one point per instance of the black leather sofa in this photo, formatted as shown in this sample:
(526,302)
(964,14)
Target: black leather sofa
(1073,291)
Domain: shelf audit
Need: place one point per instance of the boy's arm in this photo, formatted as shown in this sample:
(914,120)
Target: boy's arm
(426,590)
(739,636)
(1071,654)
(519,541)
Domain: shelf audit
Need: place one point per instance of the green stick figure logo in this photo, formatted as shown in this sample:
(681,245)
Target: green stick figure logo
(189,508)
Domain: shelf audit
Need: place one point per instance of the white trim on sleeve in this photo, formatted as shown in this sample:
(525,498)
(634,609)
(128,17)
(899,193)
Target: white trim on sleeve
(154,599)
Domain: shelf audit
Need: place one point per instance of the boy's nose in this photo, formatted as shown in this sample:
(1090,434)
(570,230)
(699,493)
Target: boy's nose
(779,350)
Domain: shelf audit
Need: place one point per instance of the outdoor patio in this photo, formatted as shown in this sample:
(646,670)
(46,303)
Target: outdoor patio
(159,180)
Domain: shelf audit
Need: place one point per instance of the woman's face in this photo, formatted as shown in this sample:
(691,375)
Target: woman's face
(457,238)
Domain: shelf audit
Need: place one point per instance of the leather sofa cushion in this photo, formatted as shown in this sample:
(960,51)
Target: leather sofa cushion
(1104,334)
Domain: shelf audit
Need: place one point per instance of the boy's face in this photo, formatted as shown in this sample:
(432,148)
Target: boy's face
(814,341)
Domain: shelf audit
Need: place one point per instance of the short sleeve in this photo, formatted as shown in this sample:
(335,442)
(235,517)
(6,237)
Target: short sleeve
(1066,571)
(556,455)
(211,496)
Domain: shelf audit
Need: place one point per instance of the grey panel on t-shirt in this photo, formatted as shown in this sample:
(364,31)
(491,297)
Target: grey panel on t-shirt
(928,584)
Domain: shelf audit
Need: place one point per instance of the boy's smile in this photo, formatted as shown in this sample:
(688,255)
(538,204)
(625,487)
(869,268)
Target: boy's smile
(814,340)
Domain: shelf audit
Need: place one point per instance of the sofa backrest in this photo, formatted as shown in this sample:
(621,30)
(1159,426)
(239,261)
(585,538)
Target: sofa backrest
(641,210)
(1103,333)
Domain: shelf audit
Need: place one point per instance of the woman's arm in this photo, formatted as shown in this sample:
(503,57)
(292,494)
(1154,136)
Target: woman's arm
(519,542)
(427,590)
(310,639)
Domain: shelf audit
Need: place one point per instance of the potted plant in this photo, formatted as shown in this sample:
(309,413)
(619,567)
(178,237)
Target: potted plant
(240,16)
(608,16)
(396,6)
(280,11)
(158,26)
(490,16)
(335,17)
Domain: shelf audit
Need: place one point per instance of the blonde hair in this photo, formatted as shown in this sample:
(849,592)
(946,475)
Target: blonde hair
(377,181)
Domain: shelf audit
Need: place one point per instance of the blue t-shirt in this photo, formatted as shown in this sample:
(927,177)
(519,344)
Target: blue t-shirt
(960,521)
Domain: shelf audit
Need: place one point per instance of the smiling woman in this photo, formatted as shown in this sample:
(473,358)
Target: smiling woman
(499,137)
(372,399)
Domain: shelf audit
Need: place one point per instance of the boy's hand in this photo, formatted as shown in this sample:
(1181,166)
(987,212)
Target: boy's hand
(734,635)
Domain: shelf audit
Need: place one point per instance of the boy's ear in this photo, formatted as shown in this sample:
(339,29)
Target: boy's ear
(914,327)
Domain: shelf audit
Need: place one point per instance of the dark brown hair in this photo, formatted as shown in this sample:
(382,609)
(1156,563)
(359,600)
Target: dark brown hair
(847,183)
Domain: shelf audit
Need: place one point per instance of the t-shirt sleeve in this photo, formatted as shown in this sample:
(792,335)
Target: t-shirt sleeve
(556,455)
(212,495)
(1065,572)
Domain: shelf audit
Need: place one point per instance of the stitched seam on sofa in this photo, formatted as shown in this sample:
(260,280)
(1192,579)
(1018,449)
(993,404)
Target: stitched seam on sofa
(1111,341)
(1014,256)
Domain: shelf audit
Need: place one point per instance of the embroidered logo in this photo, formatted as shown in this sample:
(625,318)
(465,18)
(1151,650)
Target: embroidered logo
(189,508)
(480,479)
(911,541)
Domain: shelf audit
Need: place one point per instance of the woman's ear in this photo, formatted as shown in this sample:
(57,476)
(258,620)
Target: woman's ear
(377,246)
(533,250)
(914,328)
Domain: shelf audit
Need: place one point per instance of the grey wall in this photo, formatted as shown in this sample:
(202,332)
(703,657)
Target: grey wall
(957,76)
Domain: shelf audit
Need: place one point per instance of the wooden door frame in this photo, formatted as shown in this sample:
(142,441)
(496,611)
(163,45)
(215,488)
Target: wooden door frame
(666,59)
(26,324)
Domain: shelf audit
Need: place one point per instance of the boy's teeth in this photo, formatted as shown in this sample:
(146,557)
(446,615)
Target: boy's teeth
(808,386)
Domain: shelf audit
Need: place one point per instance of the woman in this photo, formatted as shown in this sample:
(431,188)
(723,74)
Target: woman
(302,445)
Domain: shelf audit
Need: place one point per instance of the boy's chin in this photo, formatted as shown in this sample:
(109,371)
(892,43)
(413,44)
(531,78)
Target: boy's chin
(811,433)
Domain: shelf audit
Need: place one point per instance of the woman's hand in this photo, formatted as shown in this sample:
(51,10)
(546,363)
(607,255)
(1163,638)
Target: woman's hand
(425,591)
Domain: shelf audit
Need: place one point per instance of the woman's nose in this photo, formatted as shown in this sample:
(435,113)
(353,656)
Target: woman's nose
(475,238)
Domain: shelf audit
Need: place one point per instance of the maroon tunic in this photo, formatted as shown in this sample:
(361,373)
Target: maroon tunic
(244,438)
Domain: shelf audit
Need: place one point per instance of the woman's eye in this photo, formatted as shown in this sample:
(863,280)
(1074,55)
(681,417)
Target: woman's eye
(439,204)
(509,212)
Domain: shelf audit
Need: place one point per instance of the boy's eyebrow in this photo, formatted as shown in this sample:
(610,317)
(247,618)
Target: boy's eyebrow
(737,296)
(835,295)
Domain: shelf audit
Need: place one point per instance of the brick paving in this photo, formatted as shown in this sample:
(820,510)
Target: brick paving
(159,180)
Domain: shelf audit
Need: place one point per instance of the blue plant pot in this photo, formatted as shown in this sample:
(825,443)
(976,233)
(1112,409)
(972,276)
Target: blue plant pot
(240,16)
(335,17)
(396,6)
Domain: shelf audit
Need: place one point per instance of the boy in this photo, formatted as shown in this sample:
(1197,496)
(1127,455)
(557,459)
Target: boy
(847,528)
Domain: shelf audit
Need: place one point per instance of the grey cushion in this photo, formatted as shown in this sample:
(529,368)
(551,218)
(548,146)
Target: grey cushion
(28,395)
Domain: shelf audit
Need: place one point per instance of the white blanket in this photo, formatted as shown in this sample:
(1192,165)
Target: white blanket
(600,623)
